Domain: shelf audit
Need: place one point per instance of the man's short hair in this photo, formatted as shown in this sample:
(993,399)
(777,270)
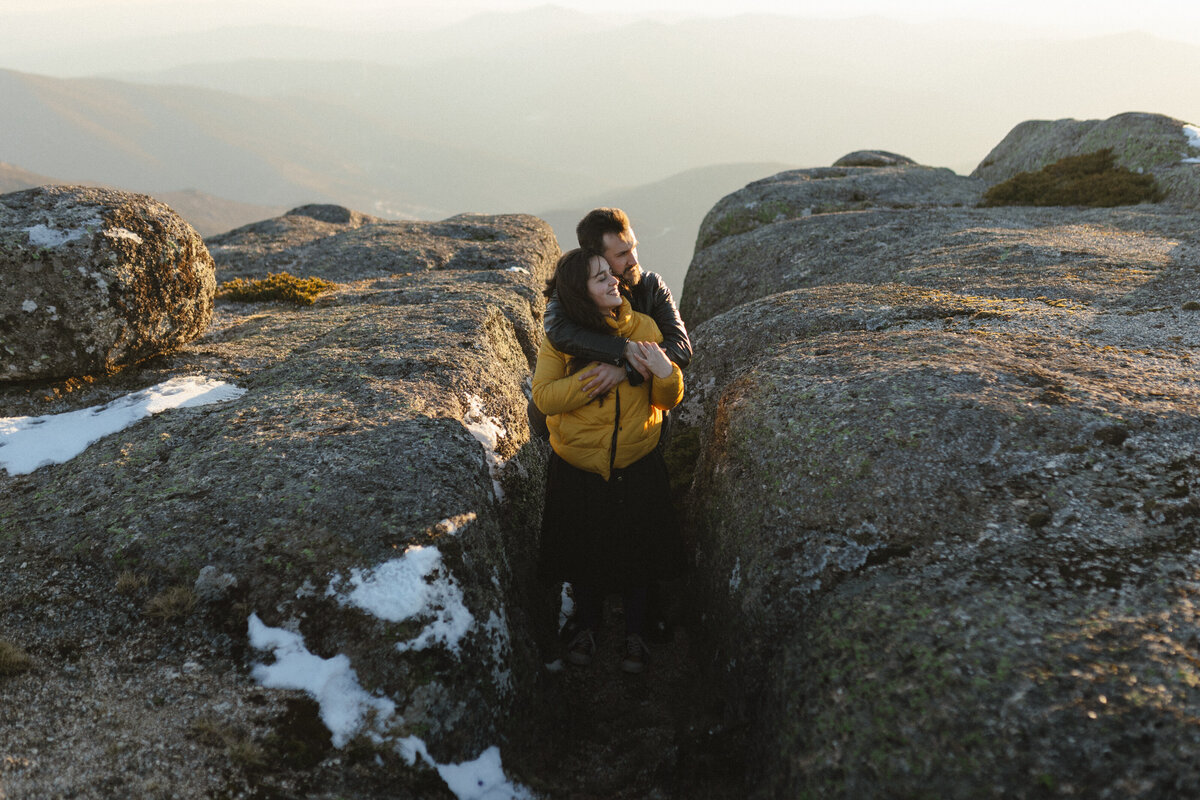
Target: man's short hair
(599,221)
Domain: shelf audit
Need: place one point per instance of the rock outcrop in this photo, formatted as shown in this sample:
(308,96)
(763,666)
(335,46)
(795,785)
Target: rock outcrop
(944,503)
(95,279)
(802,193)
(1145,143)
(337,244)
(873,158)
(358,503)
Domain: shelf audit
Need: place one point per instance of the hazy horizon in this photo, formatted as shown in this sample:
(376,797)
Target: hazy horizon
(60,26)
(424,109)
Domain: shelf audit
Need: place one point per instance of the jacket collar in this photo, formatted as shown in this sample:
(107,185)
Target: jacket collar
(622,323)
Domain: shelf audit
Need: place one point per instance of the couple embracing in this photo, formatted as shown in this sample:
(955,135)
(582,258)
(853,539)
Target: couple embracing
(607,372)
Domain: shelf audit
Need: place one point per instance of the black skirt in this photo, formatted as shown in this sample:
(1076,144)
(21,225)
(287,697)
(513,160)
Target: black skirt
(611,534)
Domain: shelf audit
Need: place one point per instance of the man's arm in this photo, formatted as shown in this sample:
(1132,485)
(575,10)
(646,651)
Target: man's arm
(610,351)
(571,338)
(666,316)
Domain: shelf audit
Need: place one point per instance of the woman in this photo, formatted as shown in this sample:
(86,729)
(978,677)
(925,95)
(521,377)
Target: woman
(608,522)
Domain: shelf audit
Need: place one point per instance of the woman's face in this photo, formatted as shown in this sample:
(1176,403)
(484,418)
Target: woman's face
(602,285)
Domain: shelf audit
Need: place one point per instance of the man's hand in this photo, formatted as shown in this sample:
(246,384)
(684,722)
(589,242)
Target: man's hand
(601,378)
(635,357)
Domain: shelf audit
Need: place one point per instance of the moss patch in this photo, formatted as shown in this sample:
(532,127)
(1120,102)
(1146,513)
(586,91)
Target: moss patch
(1087,180)
(748,218)
(681,453)
(278,286)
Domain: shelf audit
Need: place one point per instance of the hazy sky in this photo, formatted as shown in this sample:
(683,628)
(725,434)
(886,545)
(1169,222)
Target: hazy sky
(83,19)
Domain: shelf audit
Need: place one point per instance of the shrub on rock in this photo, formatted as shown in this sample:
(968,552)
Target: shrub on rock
(1092,179)
(1151,144)
(279,286)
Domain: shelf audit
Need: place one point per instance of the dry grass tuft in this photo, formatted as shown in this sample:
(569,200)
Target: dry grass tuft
(130,583)
(13,660)
(239,747)
(175,603)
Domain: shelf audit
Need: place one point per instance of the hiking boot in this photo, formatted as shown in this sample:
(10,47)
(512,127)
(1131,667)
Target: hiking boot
(581,648)
(636,654)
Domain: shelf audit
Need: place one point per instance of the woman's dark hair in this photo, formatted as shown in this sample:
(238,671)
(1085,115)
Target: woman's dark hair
(570,284)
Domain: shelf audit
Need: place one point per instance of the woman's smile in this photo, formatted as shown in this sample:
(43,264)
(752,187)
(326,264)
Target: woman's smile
(603,286)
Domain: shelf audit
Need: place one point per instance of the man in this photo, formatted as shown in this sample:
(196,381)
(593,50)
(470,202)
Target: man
(607,232)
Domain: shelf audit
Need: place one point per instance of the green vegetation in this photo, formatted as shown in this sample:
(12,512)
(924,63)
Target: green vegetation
(743,220)
(276,286)
(1087,180)
(681,453)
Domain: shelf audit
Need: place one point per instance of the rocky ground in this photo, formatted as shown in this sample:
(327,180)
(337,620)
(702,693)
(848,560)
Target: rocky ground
(146,707)
(661,734)
(126,695)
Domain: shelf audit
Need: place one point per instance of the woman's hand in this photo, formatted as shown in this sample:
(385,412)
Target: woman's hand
(633,356)
(655,359)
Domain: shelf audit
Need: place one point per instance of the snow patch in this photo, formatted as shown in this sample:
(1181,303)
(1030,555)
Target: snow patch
(488,431)
(566,605)
(27,443)
(45,236)
(496,629)
(482,779)
(348,710)
(415,585)
(1193,134)
(29,306)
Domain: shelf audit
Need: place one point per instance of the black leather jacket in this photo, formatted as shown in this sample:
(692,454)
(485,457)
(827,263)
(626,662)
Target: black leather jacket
(651,296)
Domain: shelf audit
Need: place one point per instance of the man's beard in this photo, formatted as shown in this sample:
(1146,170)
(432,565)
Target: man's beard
(632,276)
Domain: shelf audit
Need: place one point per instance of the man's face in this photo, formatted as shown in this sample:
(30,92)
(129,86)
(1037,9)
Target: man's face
(620,251)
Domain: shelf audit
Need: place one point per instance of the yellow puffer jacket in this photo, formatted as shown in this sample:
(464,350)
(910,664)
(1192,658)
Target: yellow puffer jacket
(581,429)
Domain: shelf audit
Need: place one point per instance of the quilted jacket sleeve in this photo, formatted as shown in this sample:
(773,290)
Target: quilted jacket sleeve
(668,392)
(554,390)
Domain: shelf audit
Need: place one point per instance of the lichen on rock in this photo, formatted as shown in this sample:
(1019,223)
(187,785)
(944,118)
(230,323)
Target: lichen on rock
(352,444)
(940,484)
(102,279)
